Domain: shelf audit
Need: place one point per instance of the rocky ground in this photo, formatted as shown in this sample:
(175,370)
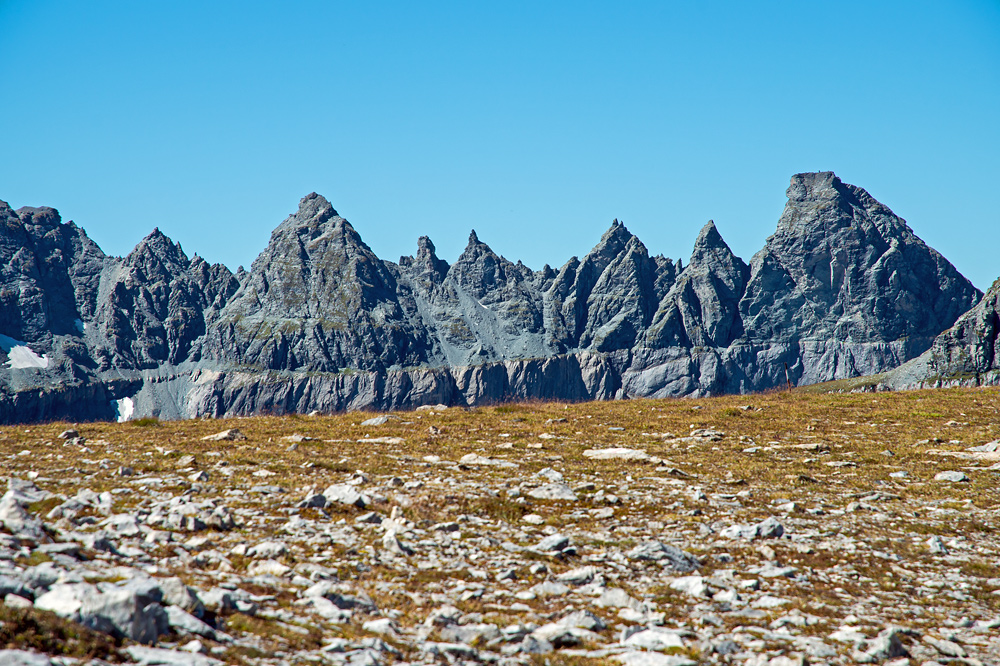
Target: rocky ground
(777,529)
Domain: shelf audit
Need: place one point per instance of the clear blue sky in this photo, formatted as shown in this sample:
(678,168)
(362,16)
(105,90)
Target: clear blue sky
(534,123)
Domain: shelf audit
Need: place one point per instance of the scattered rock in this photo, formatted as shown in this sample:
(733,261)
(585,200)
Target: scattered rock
(952,477)
(230,435)
(554,491)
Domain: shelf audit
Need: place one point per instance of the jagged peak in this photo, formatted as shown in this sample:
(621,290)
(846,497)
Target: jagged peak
(708,241)
(712,251)
(427,256)
(613,242)
(426,246)
(160,245)
(475,248)
(156,237)
(617,231)
(811,194)
(313,211)
(313,203)
(709,236)
(44,217)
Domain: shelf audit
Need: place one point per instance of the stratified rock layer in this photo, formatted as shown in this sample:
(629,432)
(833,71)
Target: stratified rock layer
(843,288)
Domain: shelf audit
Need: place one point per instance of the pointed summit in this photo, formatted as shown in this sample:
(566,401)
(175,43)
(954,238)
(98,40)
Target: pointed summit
(425,247)
(313,203)
(616,236)
(314,210)
(473,238)
(427,259)
(711,250)
(709,237)
(157,244)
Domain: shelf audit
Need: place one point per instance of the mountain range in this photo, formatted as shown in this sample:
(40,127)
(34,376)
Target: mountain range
(842,289)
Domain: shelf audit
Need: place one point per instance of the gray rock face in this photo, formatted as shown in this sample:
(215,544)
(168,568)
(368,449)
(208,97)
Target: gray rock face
(113,610)
(844,268)
(318,299)
(843,288)
(157,303)
(967,354)
(49,273)
(702,309)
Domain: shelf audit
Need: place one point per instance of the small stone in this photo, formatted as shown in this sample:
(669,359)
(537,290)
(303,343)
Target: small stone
(951,477)
(230,435)
(616,454)
(554,491)
(17,601)
(345,494)
(665,555)
(936,545)
(643,658)
(655,638)
(549,589)
(314,501)
(267,568)
(553,543)
(693,586)
(766,529)
(578,576)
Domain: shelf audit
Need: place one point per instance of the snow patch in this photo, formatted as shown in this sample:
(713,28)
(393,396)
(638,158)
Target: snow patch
(126,407)
(20,356)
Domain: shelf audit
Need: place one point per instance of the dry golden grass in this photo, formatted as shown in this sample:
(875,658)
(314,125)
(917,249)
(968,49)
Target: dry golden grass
(776,445)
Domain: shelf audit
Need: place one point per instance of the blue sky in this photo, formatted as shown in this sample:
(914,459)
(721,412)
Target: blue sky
(534,123)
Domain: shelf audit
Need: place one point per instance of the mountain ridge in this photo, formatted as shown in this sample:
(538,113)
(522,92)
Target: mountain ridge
(842,288)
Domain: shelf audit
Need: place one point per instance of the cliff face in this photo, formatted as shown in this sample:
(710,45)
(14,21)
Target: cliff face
(842,288)
(967,354)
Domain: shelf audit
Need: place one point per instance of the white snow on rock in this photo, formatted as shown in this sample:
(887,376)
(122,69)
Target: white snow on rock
(20,356)
(126,408)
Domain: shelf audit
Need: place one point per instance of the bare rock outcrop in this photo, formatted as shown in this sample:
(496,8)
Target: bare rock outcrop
(843,288)
(967,354)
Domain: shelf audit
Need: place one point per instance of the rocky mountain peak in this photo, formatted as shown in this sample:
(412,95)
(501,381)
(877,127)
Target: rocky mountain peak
(427,260)
(842,288)
(161,246)
(316,205)
(315,217)
(613,241)
(475,250)
(425,249)
(813,186)
(842,266)
(39,220)
(709,246)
